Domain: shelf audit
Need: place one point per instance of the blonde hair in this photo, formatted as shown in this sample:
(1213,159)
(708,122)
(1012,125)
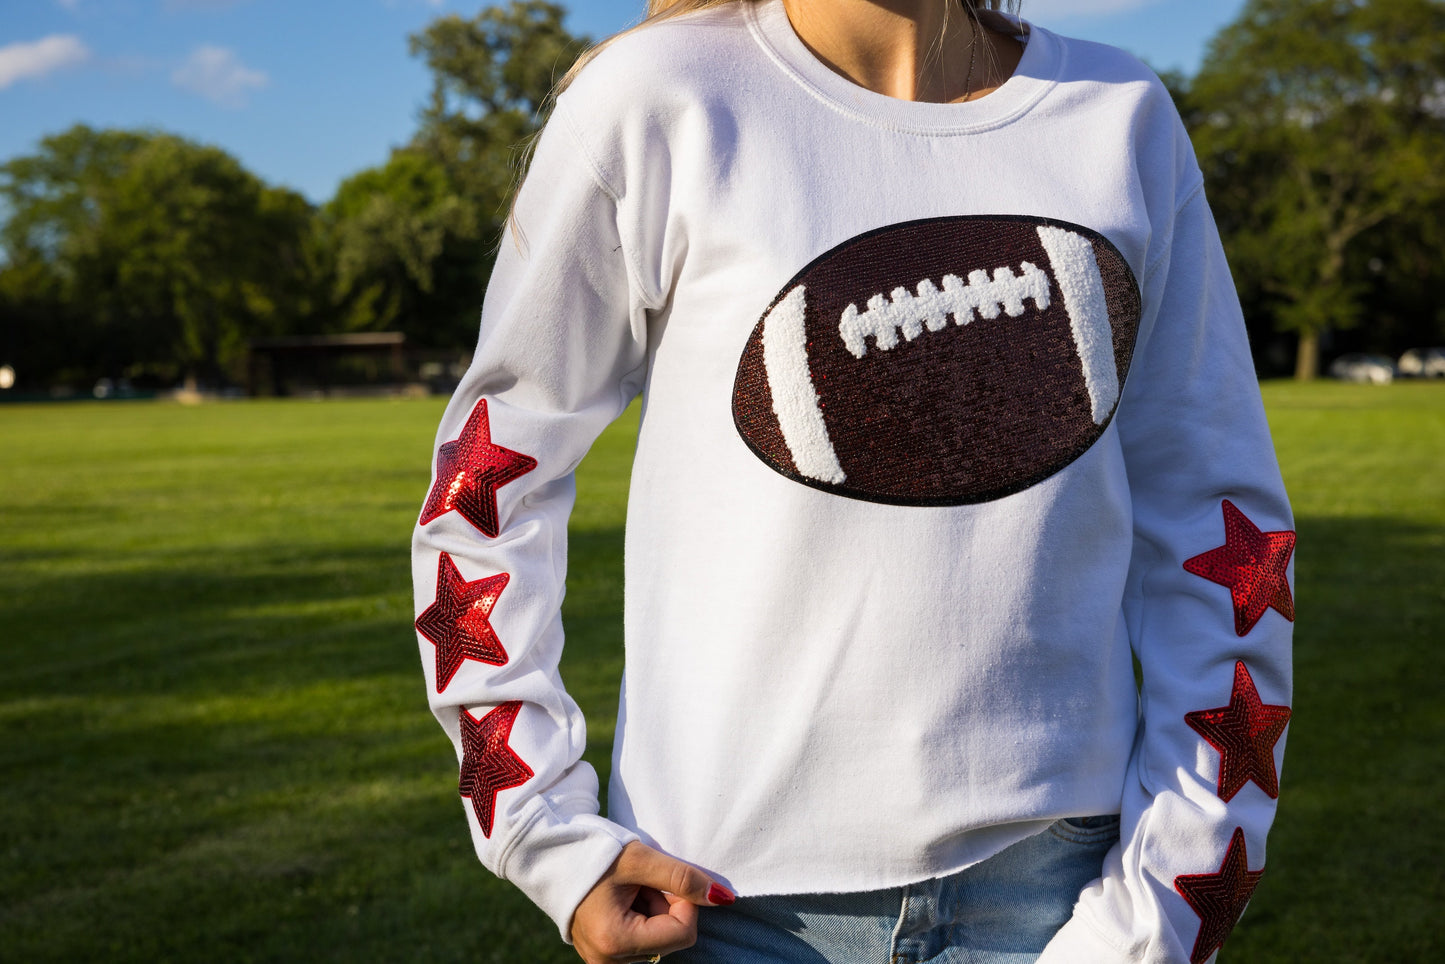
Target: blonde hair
(657,11)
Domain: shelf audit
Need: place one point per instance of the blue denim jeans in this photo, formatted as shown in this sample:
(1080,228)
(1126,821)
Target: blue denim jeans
(1001,911)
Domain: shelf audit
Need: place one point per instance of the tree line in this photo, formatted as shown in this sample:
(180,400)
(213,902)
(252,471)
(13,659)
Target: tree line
(144,255)
(1319,124)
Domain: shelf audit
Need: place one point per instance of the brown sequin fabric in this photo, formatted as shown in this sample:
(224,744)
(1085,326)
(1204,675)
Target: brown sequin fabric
(969,407)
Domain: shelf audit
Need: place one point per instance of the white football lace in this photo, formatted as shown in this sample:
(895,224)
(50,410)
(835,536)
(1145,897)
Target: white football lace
(981,296)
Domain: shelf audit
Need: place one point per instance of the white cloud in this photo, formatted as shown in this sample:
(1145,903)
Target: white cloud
(218,75)
(1045,11)
(22,61)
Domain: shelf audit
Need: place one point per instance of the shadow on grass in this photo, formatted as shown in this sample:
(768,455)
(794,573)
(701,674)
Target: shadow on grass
(230,753)
(230,757)
(1354,862)
(199,621)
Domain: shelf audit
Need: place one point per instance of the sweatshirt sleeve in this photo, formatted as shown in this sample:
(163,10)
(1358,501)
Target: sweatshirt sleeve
(1209,611)
(561,352)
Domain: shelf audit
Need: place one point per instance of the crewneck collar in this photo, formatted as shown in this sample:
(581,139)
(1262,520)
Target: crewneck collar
(1036,73)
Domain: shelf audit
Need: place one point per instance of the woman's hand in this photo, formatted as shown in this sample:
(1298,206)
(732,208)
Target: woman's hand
(645,904)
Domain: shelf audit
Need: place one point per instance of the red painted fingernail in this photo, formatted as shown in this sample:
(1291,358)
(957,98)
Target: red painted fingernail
(718,894)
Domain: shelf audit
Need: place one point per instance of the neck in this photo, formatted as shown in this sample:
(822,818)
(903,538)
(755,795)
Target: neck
(922,50)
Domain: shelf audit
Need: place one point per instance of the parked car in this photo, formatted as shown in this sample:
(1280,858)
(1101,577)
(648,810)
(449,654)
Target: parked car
(1423,363)
(1359,367)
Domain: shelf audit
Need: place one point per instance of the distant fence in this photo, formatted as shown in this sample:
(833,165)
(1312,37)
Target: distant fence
(360,363)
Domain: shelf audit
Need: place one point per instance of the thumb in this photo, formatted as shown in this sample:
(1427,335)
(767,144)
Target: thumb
(644,865)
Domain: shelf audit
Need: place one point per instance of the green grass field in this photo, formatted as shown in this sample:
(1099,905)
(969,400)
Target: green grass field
(215,738)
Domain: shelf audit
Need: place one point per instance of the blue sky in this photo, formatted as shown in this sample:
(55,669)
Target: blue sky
(307,92)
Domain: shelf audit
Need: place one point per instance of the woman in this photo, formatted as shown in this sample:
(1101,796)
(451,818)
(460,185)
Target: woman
(949,419)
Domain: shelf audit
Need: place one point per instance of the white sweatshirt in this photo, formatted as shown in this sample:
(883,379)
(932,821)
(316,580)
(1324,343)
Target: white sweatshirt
(880,621)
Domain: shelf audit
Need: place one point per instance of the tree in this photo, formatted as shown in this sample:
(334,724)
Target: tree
(492,75)
(131,250)
(189,252)
(52,200)
(402,236)
(414,239)
(424,239)
(1321,122)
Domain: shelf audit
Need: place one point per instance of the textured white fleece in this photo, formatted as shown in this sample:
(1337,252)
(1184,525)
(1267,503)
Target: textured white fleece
(795,400)
(823,693)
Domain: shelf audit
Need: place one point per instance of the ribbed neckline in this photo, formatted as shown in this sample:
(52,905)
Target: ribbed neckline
(1036,74)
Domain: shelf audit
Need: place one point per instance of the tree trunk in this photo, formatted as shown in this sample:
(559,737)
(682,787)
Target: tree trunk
(1307,359)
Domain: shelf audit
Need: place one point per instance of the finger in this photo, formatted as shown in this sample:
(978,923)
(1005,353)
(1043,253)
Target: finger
(672,930)
(651,902)
(682,910)
(643,865)
(637,937)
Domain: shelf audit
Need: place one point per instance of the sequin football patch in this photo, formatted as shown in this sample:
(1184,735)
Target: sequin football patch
(940,362)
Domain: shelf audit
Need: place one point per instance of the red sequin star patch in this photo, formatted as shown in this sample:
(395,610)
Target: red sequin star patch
(470,469)
(488,763)
(458,623)
(1219,898)
(1244,733)
(1252,564)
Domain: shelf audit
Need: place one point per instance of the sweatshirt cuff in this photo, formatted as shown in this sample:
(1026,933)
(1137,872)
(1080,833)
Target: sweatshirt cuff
(558,859)
(1077,942)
